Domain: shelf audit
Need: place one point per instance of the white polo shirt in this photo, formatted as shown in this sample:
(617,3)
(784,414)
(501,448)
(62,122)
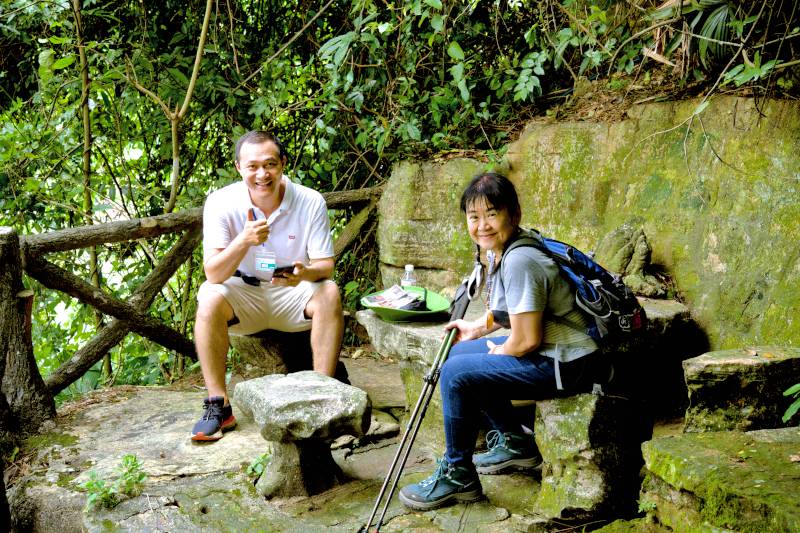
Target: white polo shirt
(299,228)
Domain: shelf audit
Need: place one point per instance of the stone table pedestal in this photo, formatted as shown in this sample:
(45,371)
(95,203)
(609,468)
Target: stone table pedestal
(299,415)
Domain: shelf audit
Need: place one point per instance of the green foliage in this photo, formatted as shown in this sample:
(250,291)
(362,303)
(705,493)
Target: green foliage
(131,477)
(647,506)
(750,71)
(128,481)
(256,468)
(101,494)
(792,410)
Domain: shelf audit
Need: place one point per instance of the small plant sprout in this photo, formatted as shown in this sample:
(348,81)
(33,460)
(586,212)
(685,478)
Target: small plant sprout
(256,468)
(131,476)
(794,390)
(106,494)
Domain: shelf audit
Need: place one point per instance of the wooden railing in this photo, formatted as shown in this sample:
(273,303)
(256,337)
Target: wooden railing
(27,399)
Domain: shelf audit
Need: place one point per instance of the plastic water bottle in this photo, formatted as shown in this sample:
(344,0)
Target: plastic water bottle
(408,277)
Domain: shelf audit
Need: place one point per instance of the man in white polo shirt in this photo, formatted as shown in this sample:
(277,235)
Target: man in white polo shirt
(268,260)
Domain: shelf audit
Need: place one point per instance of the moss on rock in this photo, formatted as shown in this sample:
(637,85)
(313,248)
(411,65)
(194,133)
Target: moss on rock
(726,232)
(747,482)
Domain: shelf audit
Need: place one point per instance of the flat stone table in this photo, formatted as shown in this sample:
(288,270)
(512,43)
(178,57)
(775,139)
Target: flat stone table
(299,415)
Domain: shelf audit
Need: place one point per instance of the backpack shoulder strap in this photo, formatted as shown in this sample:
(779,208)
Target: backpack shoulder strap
(526,237)
(532,237)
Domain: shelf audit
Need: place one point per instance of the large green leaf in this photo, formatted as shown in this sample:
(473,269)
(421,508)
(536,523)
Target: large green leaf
(454,50)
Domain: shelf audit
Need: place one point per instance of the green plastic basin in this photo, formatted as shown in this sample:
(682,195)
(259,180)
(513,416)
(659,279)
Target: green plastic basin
(439,307)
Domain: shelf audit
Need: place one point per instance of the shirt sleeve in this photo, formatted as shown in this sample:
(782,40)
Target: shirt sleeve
(216,230)
(526,282)
(320,242)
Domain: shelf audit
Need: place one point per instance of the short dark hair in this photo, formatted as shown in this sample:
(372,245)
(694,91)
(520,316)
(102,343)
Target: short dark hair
(258,137)
(497,190)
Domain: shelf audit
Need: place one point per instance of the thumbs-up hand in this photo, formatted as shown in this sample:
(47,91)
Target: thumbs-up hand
(255,231)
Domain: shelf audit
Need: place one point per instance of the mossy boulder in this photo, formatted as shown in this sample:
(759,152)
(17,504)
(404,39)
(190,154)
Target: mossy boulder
(590,446)
(717,203)
(420,222)
(739,481)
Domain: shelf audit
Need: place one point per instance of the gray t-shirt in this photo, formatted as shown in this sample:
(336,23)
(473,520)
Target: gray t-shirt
(531,281)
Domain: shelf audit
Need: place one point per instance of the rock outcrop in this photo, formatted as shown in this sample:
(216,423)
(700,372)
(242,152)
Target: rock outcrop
(731,481)
(740,389)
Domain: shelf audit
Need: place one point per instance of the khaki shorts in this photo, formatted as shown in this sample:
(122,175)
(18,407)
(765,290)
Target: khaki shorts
(266,306)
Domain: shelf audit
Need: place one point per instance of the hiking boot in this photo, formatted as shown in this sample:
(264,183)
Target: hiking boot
(448,484)
(507,451)
(216,418)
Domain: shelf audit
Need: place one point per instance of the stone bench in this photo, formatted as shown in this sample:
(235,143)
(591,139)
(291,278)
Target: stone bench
(277,352)
(671,337)
(589,442)
(740,389)
(300,414)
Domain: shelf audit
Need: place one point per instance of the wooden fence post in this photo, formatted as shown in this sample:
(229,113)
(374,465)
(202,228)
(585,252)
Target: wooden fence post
(23,388)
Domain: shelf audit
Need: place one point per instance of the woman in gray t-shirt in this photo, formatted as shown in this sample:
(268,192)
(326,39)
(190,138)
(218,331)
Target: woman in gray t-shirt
(482,375)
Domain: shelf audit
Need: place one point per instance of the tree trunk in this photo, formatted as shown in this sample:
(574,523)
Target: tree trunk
(8,291)
(29,400)
(88,203)
(5,512)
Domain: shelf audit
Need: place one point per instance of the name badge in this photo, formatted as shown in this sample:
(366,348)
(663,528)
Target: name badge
(265,264)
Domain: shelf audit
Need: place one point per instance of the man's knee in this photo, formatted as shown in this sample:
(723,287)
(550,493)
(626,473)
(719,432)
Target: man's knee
(212,306)
(326,299)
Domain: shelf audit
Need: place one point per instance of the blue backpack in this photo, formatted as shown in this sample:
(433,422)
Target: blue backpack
(610,306)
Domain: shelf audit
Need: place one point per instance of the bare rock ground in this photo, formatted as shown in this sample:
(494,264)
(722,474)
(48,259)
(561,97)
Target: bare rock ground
(206,487)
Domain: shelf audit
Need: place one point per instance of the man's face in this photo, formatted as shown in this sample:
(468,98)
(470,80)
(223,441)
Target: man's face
(261,168)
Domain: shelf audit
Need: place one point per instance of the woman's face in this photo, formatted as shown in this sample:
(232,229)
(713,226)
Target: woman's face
(488,227)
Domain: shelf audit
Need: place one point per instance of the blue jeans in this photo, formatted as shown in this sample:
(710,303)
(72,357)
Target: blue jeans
(473,383)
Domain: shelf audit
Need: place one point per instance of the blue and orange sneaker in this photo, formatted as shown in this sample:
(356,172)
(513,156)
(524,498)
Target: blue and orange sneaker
(217,418)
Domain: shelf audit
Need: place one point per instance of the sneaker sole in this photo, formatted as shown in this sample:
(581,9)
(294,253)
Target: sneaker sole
(458,497)
(227,425)
(511,464)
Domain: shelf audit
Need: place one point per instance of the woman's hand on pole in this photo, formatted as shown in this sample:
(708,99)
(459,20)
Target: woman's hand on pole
(465,330)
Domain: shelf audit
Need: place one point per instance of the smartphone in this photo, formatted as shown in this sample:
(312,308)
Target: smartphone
(282,271)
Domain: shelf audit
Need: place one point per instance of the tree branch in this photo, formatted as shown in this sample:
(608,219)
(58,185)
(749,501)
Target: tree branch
(353,229)
(139,228)
(119,231)
(113,333)
(197,59)
(54,277)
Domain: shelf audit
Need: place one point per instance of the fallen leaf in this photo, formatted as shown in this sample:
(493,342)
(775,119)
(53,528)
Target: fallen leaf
(658,57)
(769,355)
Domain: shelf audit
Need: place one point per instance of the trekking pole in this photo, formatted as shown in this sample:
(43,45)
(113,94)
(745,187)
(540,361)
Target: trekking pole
(465,293)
